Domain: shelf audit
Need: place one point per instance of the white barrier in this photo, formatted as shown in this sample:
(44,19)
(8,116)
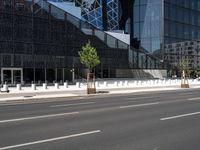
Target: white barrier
(105,84)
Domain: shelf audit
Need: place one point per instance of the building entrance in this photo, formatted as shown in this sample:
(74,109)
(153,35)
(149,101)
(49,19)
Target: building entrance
(11,75)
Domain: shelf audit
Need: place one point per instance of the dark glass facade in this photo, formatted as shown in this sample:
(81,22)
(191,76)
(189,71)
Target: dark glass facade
(43,44)
(147,24)
(182,20)
(156,23)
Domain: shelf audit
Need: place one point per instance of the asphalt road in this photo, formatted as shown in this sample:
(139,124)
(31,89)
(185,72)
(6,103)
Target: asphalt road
(168,120)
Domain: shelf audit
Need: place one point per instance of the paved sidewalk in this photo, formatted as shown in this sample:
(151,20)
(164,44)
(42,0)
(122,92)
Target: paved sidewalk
(82,92)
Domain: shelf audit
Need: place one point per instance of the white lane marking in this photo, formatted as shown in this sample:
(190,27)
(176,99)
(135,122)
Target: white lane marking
(135,98)
(50,140)
(180,116)
(140,105)
(38,117)
(188,93)
(75,104)
(194,99)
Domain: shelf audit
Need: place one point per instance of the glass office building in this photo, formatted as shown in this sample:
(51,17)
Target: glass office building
(40,42)
(103,14)
(147,20)
(159,22)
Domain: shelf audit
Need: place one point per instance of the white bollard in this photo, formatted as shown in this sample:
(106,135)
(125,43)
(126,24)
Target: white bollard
(120,83)
(19,87)
(78,85)
(33,87)
(5,88)
(105,84)
(125,83)
(56,86)
(116,84)
(65,84)
(135,83)
(44,85)
(97,84)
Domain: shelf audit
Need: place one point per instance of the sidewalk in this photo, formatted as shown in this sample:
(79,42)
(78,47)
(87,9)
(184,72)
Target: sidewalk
(74,92)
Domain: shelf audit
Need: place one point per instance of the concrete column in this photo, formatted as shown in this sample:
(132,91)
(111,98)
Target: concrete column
(12,77)
(22,78)
(45,74)
(63,74)
(34,75)
(56,75)
(2,75)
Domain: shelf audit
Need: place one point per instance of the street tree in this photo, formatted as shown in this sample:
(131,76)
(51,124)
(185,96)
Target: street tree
(183,65)
(89,58)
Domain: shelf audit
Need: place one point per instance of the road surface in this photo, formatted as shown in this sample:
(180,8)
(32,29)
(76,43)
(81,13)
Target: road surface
(168,120)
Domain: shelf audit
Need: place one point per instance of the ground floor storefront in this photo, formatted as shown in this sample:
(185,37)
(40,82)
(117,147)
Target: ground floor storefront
(49,75)
(12,75)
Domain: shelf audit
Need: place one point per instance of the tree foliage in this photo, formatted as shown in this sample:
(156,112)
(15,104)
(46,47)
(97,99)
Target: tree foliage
(88,56)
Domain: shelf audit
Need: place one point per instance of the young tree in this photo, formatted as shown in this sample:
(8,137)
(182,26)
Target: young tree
(88,56)
(183,64)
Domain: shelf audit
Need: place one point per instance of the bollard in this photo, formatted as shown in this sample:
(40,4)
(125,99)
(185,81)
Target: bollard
(19,88)
(44,85)
(120,83)
(105,84)
(78,85)
(56,86)
(66,84)
(5,88)
(115,84)
(97,84)
(33,87)
(125,83)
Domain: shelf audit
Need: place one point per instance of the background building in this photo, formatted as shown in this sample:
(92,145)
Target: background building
(188,51)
